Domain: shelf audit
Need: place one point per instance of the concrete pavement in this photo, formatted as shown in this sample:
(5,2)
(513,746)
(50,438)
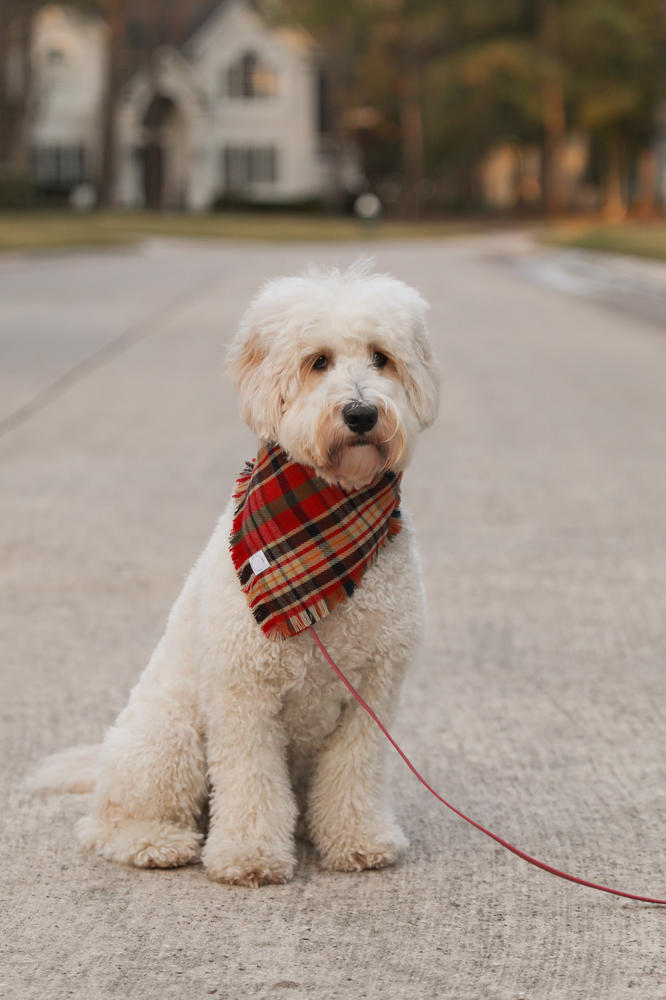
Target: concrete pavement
(538,703)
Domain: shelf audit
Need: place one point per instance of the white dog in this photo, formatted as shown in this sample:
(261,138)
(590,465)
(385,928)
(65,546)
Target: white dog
(228,729)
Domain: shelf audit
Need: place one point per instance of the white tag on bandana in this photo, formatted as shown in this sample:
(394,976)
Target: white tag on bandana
(259,562)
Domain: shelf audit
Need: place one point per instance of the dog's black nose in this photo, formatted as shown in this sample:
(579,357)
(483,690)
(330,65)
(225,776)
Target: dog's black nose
(360,417)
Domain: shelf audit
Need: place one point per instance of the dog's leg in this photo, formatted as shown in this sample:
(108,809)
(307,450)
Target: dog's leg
(253,809)
(150,791)
(350,816)
(151,778)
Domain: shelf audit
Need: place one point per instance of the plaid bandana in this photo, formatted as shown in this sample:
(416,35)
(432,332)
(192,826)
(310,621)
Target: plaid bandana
(300,546)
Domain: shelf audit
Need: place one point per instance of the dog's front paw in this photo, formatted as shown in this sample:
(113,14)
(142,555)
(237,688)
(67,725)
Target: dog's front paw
(249,868)
(357,853)
(142,843)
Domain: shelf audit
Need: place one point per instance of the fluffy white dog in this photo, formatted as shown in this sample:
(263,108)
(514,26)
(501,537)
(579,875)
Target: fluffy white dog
(230,731)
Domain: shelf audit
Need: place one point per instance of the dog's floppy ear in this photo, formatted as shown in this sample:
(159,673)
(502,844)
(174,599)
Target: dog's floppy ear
(258,388)
(419,372)
(423,378)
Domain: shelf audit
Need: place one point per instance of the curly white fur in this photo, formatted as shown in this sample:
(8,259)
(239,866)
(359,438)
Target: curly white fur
(230,737)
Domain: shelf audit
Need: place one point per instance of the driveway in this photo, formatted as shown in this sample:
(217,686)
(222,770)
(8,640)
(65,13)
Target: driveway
(538,705)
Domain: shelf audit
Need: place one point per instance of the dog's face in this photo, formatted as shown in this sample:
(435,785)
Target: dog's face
(337,369)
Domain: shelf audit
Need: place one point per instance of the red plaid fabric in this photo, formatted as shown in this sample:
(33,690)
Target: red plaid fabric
(300,546)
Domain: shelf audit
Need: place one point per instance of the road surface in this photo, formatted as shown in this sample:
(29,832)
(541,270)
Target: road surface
(538,705)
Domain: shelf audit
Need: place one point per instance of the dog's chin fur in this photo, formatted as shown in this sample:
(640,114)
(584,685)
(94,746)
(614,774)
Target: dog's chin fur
(354,466)
(229,735)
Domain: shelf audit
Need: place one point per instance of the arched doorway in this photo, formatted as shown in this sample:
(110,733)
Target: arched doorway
(163,154)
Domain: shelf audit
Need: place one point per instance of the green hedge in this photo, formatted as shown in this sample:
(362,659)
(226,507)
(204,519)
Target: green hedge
(306,206)
(16,190)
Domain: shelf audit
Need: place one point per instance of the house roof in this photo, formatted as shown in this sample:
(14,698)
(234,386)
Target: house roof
(275,13)
(152,24)
(167,22)
(199,18)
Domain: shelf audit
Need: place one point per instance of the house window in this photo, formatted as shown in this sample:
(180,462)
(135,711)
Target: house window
(249,76)
(59,167)
(244,166)
(263,165)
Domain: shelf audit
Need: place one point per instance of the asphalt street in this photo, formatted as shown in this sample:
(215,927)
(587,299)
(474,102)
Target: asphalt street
(538,704)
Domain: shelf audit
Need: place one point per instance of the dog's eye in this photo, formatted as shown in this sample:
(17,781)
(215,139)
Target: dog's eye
(379,359)
(320,363)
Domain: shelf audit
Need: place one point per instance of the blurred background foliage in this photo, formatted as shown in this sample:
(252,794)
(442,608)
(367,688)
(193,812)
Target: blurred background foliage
(444,100)
(444,84)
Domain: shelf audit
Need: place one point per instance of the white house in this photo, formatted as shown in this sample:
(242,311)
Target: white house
(68,61)
(234,113)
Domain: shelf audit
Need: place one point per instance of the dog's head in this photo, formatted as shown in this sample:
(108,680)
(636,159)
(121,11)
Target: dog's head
(336,367)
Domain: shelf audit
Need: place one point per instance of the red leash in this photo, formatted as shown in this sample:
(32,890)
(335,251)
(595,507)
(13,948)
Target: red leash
(488,833)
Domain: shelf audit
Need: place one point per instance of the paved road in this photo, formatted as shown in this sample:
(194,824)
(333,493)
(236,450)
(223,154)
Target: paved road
(538,704)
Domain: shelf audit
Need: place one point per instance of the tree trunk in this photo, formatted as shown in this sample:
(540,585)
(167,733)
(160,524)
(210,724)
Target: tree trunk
(411,134)
(554,121)
(646,187)
(19,149)
(17,102)
(5,14)
(115,12)
(553,142)
(614,207)
(336,99)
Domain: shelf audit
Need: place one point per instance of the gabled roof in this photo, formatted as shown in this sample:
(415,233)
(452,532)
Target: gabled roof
(151,24)
(161,23)
(276,16)
(200,17)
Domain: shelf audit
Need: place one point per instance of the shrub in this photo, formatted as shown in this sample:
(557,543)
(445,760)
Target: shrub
(16,189)
(236,203)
